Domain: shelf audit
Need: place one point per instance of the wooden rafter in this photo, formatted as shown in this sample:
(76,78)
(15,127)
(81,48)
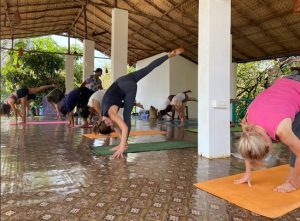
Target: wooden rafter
(8,17)
(31,28)
(256,24)
(166,28)
(77,17)
(51,9)
(89,36)
(104,12)
(282,20)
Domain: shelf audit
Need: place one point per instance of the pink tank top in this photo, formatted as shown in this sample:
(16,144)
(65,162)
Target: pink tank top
(270,107)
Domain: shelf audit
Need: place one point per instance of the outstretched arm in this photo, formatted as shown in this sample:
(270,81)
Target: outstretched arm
(113,115)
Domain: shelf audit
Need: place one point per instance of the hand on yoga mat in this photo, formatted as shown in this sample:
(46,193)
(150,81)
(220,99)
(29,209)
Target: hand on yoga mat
(245,179)
(118,151)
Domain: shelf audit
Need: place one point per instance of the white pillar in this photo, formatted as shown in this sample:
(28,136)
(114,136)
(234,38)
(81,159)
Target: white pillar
(119,43)
(214,78)
(69,73)
(88,58)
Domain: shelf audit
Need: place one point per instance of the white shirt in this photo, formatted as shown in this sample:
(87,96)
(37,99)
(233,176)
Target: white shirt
(98,96)
(178,98)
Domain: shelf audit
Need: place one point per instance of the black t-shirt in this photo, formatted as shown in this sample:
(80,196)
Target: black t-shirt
(113,96)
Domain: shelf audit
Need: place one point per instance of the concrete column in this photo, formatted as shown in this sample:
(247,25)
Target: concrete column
(119,43)
(88,58)
(214,78)
(69,73)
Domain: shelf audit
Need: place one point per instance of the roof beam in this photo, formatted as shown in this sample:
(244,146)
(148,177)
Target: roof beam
(85,21)
(280,55)
(167,29)
(8,17)
(155,20)
(50,17)
(29,27)
(256,24)
(109,24)
(91,37)
(64,8)
(261,50)
(282,21)
(77,17)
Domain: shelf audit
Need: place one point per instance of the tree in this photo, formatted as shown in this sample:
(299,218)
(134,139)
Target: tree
(254,77)
(33,69)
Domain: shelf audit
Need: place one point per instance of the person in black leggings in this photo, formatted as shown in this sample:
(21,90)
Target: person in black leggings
(122,94)
(296,123)
(21,96)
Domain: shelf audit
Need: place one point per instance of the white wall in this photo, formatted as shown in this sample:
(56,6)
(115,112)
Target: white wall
(183,77)
(154,88)
(175,75)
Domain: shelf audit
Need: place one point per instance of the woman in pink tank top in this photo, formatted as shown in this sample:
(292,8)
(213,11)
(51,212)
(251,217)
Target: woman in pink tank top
(273,115)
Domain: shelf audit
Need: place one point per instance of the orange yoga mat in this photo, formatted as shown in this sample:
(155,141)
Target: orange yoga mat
(260,198)
(132,133)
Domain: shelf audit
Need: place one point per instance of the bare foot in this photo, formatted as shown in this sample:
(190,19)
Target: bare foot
(285,188)
(175,52)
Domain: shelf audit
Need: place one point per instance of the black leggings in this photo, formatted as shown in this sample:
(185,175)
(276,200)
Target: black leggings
(296,130)
(128,85)
(296,123)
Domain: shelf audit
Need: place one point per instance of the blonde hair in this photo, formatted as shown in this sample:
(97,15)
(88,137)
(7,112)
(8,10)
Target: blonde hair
(254,143)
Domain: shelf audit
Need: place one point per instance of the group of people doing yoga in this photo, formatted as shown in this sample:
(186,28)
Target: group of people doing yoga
(273,115)
(91,96)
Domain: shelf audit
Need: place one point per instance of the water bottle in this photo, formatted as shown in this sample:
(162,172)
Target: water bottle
(41,110)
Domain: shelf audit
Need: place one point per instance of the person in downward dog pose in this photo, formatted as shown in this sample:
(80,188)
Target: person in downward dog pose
(271,116)
(176,103)
(66,104)
(22,96)
(122,94)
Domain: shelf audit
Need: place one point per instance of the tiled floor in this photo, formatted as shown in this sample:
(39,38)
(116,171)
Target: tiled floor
(49,173)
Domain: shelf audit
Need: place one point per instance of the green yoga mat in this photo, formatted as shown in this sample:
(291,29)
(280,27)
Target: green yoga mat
(232,129)
(145,147)
(192,130)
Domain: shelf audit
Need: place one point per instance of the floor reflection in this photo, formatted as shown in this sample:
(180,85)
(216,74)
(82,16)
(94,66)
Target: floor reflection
(49,173)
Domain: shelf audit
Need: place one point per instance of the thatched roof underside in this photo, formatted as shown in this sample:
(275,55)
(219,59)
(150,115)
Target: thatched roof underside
(260,28)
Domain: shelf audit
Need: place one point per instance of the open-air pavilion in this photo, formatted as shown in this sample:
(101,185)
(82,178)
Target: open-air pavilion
(48,171)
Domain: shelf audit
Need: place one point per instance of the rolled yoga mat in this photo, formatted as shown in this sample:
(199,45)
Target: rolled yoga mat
(260,198)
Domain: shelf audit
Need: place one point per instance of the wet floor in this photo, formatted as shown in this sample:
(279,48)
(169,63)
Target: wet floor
(49,173)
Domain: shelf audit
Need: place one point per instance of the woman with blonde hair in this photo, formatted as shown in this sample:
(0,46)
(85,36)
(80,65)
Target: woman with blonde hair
(272,116)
